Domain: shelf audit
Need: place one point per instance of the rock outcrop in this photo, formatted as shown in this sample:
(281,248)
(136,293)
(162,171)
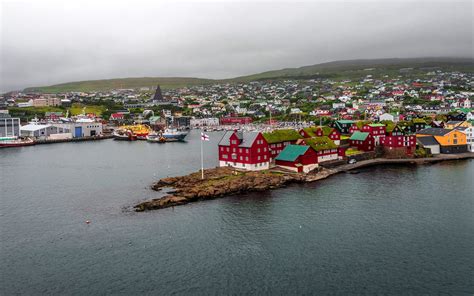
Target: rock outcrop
(218,182)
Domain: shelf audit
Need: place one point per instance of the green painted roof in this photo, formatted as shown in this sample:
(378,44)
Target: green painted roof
(359,136)
(344,121)
(320,143)
(281,135)
(291,152)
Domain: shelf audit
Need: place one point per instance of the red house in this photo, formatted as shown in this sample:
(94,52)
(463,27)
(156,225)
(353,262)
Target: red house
(235,120)
(363,141)
(298,158)
(376,130)
(325,148)
(354,128)
(248,151)
(397,139)
(116,117)
(321,131)
(278,139)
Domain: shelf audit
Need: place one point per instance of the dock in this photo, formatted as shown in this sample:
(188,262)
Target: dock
(82,139)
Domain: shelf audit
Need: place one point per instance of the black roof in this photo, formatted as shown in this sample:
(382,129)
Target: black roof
(427,141)
(434,131)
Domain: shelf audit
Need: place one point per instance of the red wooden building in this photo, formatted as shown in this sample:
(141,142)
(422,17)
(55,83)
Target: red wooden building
(248,151)
(235,120)
(298,158)
(278,139)
(376,130)
(325,148)
(354,128)
(363,141)
(398,139)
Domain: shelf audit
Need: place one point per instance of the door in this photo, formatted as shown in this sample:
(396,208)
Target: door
(78,132)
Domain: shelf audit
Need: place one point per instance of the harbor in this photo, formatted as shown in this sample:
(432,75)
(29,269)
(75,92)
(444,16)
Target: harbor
(47,242)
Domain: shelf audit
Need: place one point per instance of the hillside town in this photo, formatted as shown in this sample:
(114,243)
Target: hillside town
(294,124)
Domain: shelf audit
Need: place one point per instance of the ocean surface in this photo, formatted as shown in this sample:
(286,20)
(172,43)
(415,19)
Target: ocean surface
(386,230)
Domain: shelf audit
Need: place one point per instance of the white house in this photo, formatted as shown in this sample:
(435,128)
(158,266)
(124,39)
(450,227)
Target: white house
(470,116)
(469,138)
(387,116)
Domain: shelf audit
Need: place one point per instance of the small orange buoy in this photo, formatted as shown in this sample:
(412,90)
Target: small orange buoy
(88,222)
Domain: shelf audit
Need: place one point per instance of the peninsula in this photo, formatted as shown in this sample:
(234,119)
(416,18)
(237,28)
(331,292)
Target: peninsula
(224,181)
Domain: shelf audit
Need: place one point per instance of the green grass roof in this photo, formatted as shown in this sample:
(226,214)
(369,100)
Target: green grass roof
(361,123)
(320,143)
(291,152)
(376,124)
(359,136)
(311,131)
(327,130)
(281,135)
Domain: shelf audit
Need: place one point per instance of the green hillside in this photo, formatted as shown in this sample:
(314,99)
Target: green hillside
(350,69)
(359,68)
(107,84)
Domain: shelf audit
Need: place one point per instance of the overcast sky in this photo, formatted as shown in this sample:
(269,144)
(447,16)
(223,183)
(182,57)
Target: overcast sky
(49,42)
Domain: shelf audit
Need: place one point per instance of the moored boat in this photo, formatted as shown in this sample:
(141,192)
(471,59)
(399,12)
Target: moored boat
(172,134)
(140,131)
(15,142)
(155,138)
(124,135)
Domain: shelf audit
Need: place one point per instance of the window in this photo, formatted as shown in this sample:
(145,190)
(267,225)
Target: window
(258,158)
(258,150)
(246,158)
(224,155)
(240,150)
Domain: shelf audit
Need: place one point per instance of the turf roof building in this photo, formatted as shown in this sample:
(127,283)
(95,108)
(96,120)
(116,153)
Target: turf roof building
(278,139)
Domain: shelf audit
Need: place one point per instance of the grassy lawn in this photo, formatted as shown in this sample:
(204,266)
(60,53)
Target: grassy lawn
(77,109)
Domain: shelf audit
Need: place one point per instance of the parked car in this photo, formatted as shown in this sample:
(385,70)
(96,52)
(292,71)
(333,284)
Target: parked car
(352,161)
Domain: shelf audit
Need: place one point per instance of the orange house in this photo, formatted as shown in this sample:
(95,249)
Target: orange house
(450,141)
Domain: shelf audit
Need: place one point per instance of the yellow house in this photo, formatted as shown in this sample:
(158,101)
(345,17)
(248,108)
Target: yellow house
(454,124)
(450,140)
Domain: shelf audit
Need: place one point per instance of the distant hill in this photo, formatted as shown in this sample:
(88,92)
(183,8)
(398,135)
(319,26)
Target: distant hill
(357,68)
(107,84)
(350,69)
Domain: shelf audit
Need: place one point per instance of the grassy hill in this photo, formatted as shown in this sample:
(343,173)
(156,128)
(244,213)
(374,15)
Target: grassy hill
(107,84)
(359,68)
(349,69)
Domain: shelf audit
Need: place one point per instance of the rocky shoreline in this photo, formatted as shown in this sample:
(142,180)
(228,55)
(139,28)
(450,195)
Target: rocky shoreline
(224,181)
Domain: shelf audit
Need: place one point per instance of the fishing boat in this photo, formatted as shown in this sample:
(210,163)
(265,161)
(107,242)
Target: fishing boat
(155,138)
(173,135)
(124,135)
(139,130)
(15,142)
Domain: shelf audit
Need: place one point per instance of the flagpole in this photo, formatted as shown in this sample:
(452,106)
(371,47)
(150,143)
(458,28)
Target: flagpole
(202,160)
